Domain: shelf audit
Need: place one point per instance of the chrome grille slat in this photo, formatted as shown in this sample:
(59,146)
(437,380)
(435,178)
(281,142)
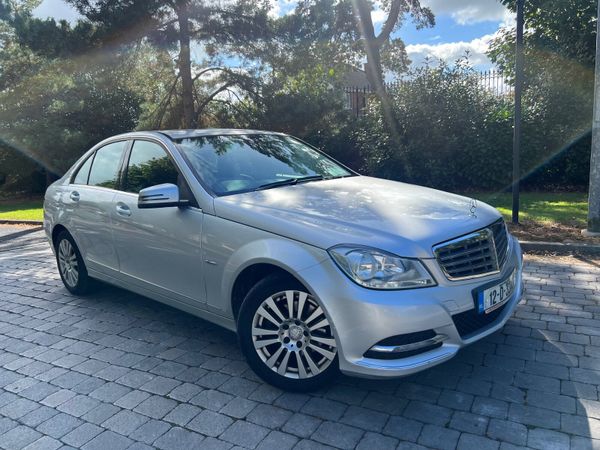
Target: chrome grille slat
(480,253)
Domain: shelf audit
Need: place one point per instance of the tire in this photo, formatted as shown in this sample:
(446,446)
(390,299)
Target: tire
(290,353)
(71,267)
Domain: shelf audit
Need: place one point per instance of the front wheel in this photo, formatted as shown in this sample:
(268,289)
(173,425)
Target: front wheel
(70,265)
(286,337)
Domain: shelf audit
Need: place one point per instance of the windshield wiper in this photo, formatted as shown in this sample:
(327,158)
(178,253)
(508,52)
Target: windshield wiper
(289,182)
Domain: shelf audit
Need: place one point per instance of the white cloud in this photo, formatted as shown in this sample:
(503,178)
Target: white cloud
(451,51)
(466,12)
(282,7)
(56,9)
(378,16)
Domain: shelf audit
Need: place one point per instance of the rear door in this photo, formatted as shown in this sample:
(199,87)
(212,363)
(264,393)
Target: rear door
(89,200)
(159,248)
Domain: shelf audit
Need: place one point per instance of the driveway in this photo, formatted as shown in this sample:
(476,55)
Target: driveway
(115,370)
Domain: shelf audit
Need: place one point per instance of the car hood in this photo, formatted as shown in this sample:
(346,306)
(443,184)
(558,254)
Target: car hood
(397,217)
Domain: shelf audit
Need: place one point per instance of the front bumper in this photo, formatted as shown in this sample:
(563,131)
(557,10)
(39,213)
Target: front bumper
(363,317)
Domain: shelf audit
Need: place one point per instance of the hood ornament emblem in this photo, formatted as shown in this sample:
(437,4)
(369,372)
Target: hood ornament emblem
(473,208)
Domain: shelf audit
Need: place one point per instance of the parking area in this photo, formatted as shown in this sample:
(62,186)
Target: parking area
(114,370)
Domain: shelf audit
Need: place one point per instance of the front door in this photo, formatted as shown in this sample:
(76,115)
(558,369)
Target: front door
(158,248)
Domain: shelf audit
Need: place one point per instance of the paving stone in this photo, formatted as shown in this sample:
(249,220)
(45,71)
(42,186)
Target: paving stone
(456,400)
(245,434)
(182,414)
(547,439)
(178,438)
(381,402)
(37,416)
(371,441)
(78,405)
(150,431)
(426,412)
(403,429)
(471,423)
(59,425)
(132,399)
(301,425)
(44,443)
(210,423)
(269,416)
(504,430)
(125,422)
(18,437)
(537,417)
(185,392)
(211,399)
(277,440)
(338,435)
(239,407)
(100,413)
(160,385)
(156,407)
(473,442)
(110,392)
(490,407)
(108,440)
(18,408)
(82,434)
(437,437)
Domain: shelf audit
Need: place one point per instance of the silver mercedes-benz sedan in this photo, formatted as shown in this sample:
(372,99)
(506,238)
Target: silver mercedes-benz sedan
(318,269)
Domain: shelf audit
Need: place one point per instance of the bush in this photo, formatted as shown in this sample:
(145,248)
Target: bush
(454,134)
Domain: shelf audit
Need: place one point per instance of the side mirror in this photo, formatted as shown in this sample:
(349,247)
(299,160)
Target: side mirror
(160,196)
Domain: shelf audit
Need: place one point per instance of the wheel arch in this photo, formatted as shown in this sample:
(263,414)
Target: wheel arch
(249,277)
(58,228)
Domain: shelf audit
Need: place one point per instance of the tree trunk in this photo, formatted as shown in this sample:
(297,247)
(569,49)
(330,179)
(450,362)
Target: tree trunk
(185,67)
(372,45)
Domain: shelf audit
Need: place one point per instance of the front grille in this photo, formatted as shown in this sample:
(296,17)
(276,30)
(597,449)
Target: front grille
(470,322)
(479,253)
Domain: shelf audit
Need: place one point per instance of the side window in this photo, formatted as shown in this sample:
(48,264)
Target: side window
(148,165)
(83,172)
(105,168)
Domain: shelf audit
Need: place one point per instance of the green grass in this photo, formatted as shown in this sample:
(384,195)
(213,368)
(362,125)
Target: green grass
(22,210)
(569,208)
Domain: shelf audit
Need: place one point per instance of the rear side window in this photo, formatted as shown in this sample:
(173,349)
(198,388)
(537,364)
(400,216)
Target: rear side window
(105,168)
(83,172)
(148,165)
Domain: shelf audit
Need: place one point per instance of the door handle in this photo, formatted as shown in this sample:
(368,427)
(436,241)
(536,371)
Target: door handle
(123,210)
(74,196)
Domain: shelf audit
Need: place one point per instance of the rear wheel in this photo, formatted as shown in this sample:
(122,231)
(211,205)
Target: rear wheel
(71,267)
(286,337)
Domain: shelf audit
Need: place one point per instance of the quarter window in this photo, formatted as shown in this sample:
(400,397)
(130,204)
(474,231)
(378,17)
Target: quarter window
(148,165)
(83,172)
(105,168)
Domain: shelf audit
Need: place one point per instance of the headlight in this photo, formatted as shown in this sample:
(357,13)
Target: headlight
(377,269)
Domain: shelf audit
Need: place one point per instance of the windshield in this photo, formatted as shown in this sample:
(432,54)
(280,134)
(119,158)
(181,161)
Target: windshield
(231,164)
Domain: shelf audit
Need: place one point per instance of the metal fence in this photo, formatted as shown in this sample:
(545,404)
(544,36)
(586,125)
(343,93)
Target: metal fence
(493,81)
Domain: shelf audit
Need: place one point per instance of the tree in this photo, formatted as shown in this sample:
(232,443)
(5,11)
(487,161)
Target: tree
(52,108)
(230,26)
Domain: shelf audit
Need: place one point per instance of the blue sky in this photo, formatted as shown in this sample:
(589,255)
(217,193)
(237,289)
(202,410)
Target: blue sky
(461,25)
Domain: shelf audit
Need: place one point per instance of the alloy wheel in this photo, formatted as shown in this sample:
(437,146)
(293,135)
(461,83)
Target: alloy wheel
(292,335)
(67,262)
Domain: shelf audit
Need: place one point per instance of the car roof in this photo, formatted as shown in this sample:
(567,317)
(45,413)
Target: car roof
(189,133)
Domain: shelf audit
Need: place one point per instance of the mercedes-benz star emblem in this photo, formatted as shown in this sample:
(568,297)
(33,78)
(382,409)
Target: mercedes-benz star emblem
(473,207)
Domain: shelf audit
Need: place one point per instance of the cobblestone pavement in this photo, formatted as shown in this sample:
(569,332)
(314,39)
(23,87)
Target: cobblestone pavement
(115,370)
